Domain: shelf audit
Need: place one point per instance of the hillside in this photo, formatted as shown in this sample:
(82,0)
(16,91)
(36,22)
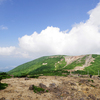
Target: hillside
(54,65)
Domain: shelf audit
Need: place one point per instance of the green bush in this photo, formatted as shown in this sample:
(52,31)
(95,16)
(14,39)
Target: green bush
(38,89)
(3,75)
(3,86)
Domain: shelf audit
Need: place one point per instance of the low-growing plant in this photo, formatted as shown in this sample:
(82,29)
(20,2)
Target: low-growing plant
(38,89)
(90,81)
(33,76)
(92,85)
(47,91)
(3,75)
(3,86)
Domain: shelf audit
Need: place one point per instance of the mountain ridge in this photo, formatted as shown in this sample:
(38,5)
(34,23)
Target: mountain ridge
(58,62)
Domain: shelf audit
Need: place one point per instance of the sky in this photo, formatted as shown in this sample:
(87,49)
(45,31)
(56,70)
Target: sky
(30,29)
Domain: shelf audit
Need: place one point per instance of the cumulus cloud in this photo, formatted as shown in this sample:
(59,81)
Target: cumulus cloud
(7,50)
(3,27)
(83,38)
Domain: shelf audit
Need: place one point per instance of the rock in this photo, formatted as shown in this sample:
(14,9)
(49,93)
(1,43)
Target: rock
(58,93)
(90,76)
(2,98)
(69,98)
(55,90)
(82,99)
(83,81)
(31,87)
(92,97)
(73,88)
(42,86)
(26,78)
(73,84)
(52,85)
(87,89)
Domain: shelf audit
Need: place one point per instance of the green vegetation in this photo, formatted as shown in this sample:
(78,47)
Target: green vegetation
(3,75)
(95,66)
(34,76)
(38,89)
(38,66)
(3,86)
(81,72)
(60,64)
(27,67)
(21,75)
(92,85)
(90,81)
(55,66)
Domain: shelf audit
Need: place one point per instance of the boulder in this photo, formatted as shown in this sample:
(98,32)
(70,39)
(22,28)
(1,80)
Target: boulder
(52,85)
(42,86)
(2,98)
(26,78)
(92,97)
(31,87)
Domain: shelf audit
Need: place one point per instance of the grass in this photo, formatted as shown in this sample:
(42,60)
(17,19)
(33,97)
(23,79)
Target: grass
(90,81)
(38,89)
(95,66)
(60,64)
(92,85)
(3,75)
(51,73)
(37,65)
(34,76)
(3,86)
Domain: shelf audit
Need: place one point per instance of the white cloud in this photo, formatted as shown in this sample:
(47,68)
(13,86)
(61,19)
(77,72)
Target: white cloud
(7,50)
(83,38)
(3,27)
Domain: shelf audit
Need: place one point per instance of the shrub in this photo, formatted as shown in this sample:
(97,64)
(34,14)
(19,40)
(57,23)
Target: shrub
(33,76)
(38,89)
(3,86)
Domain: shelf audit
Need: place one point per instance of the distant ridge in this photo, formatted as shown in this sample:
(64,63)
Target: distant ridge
(87,63)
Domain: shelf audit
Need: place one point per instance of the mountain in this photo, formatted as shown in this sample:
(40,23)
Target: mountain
(58,64)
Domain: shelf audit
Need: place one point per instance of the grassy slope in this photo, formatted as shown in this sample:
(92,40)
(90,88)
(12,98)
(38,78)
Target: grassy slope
(95,66)
(36,66)
(27,67)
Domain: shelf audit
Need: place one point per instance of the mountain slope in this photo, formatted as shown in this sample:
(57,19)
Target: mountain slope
(59,64)
(41,64)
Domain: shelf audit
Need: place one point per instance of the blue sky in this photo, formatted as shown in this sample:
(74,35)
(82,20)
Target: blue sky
(33,28)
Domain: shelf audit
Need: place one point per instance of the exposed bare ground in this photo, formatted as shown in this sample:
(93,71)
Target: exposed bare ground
(67,88)
(88,60)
